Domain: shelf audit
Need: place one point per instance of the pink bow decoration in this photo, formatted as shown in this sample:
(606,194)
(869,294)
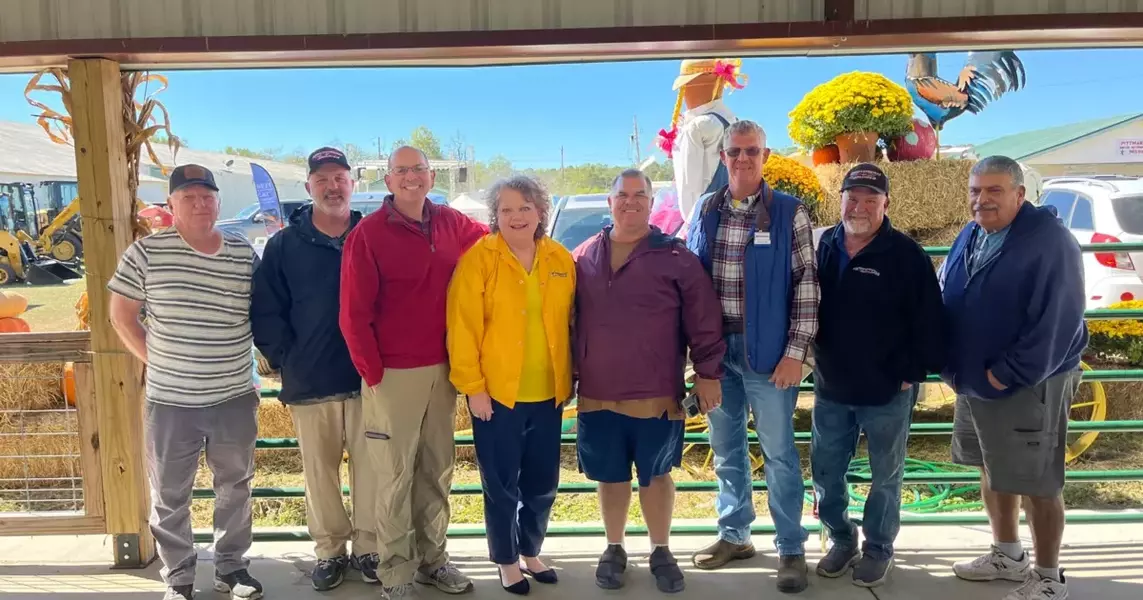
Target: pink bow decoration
(666,140)
(726,72)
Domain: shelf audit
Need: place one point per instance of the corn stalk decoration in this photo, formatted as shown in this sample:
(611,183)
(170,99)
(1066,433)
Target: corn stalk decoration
(141,122)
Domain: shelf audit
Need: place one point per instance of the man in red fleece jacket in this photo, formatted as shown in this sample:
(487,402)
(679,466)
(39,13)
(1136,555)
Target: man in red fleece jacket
(395,272)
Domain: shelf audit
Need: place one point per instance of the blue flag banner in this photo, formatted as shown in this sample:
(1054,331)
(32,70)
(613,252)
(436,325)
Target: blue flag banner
(267,199)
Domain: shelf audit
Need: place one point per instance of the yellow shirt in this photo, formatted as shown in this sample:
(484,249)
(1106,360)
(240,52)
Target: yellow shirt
(537,377)
(490,309)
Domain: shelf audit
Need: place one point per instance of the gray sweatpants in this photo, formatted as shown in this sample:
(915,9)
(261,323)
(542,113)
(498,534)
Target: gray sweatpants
(175,437)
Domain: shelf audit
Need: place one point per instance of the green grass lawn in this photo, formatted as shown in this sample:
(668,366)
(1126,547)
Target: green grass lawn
(51,307)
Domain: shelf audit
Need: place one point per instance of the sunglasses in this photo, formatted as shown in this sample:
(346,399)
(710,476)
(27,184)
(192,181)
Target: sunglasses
(751,151)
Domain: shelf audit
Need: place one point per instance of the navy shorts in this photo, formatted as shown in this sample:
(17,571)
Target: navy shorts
(609,443)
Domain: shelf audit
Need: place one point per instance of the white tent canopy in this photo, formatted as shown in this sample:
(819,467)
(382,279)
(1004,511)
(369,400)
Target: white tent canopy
(471,207)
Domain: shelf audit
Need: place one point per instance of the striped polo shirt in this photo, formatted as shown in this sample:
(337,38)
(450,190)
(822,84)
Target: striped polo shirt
(197,311)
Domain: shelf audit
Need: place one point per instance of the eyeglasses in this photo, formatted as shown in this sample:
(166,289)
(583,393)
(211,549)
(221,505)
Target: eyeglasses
(419,170)
(751,151)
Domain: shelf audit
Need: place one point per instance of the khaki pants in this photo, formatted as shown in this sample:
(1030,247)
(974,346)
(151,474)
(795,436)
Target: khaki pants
(409,430)
(324,431)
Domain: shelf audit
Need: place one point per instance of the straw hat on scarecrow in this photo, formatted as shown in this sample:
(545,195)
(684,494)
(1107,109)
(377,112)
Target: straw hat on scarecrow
(697,75)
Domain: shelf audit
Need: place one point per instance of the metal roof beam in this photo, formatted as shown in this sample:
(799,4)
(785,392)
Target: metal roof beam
(464,48)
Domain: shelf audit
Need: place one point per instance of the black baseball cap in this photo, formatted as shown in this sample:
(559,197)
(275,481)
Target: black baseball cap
(327,155)
(866,175)
(185,175)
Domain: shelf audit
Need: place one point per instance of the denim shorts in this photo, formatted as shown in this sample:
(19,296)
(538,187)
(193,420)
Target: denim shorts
(609,443)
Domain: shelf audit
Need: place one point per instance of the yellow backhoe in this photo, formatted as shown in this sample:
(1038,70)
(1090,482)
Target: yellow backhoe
(23,256)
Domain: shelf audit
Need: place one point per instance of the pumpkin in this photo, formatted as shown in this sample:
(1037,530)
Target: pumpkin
(14,325)
(12,304)
(826,155)
(68,383)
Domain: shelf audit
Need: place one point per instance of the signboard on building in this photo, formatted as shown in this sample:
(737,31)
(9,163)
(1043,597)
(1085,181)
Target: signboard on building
(1131,148)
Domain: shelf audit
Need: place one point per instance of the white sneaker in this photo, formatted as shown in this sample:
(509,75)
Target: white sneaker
(994,565)
(1040,588)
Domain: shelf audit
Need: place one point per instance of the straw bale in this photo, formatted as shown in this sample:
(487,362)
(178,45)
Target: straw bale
(926,196)
(274,421)
(40,452)
(463,422)
(30,386)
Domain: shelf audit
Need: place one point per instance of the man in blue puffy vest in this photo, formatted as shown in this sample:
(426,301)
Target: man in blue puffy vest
(757,244)
(1014,295)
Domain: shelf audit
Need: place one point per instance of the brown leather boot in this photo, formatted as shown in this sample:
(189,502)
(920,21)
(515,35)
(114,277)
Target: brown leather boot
(721,552)
(792,574)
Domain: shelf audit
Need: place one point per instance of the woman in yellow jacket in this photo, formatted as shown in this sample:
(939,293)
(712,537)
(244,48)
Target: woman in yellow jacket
(509,319)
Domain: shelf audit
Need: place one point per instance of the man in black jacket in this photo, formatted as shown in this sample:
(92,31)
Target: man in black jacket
(881,332)
(294,317)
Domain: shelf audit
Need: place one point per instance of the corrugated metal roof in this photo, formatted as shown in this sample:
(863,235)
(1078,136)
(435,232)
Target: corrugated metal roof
(25,148)
(102,19)
(917,9)
(1020,146)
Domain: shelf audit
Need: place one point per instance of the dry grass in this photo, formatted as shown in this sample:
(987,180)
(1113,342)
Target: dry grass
(927,196)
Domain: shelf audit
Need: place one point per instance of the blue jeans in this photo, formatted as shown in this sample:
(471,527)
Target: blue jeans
(743,391)
(836,430)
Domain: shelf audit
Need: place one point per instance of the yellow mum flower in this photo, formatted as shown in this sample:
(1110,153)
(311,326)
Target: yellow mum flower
(851,102)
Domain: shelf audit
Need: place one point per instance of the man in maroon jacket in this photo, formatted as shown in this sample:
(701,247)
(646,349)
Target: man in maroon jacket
(642,299)
(395,271)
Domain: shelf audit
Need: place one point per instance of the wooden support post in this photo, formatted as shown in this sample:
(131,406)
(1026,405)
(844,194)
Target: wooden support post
(108,216)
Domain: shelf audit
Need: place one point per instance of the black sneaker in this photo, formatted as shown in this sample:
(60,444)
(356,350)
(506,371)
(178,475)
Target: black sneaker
(240,585)
(612,564)
(179,592)
(837,561)
(367,564)
(871,572)
(329,573)
(665,569)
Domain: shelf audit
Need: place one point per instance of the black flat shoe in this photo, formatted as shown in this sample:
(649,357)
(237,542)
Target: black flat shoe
(520,588)
(545,576)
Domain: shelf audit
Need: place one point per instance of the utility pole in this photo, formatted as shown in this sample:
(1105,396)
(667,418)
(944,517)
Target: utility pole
(379,157)
(563,183)
(635,140)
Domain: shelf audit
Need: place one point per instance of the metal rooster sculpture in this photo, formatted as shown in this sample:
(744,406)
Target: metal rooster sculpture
(985,77)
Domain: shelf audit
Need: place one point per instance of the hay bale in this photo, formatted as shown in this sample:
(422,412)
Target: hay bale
(274,420)
(463,422)
(927,195)
(42,456)
(30,386)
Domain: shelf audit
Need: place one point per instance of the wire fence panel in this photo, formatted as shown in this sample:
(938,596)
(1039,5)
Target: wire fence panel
(41,470)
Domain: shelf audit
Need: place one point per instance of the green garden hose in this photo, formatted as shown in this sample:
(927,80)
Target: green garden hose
(932,498)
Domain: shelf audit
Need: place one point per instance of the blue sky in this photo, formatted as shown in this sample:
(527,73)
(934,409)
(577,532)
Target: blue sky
(527,113)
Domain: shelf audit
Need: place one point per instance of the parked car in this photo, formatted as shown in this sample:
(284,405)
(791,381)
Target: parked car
(578,217)
(251,221)
(1103,209)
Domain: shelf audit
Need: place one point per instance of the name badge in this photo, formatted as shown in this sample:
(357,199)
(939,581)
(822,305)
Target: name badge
(762,238)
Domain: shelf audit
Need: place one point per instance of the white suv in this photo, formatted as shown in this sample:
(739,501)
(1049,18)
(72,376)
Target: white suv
(1103,209)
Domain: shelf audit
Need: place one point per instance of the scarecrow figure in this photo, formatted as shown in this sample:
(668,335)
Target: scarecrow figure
(693,143)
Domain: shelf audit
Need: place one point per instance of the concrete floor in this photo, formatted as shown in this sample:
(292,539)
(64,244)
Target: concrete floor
(1103,562)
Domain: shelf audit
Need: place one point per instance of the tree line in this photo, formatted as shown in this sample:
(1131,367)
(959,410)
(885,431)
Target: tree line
(586,178)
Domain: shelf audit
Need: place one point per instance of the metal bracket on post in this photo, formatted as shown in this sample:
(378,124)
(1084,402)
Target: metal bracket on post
(127,551)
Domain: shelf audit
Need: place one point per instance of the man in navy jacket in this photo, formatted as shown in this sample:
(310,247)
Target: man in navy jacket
(294,317)
(1014,293)
(881,332)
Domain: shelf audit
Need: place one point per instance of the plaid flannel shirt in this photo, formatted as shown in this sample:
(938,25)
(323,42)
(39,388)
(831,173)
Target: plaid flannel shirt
(727,255)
